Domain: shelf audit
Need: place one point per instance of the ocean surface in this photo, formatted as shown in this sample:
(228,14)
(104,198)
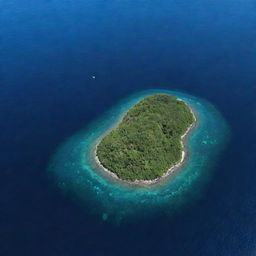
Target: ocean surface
(49,52)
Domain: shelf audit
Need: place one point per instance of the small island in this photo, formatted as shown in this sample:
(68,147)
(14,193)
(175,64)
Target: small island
(148,143)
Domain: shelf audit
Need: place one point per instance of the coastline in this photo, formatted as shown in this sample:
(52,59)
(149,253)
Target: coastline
(167,173)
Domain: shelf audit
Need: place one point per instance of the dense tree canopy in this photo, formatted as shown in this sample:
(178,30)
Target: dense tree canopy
(148,140)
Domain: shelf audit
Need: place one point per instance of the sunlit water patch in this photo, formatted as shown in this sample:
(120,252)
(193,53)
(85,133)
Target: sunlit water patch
(76,173)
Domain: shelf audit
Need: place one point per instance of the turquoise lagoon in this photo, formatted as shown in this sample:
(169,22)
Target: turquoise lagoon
(76,173)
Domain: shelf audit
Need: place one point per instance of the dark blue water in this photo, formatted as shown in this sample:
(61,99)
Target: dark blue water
(49,51)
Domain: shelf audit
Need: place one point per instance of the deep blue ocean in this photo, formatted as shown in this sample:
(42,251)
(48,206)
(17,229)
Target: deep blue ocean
(49,51)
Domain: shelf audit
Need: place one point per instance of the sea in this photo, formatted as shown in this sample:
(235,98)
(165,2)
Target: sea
(63,64)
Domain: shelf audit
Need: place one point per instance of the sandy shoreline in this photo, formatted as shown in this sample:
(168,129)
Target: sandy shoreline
(166,174)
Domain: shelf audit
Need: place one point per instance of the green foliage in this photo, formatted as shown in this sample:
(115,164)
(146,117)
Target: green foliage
(148,140)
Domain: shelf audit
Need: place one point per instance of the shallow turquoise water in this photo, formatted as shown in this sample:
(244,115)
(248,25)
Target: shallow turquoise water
(77,174)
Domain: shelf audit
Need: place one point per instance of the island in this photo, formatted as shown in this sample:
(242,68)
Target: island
(148,142)
(76,167)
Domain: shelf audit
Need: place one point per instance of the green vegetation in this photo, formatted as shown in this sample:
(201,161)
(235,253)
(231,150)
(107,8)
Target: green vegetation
(148,140)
